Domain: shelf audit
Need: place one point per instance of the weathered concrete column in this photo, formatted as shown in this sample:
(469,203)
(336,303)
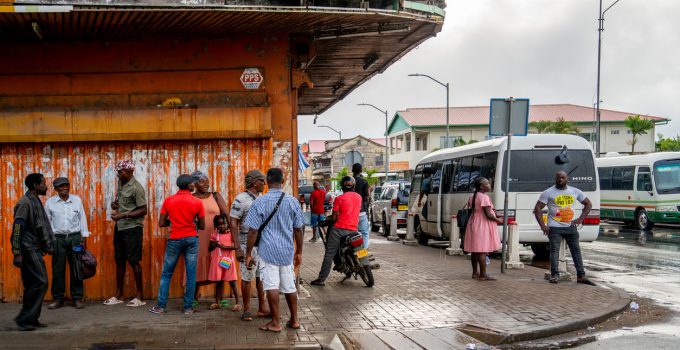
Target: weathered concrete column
(393,225)
(410,238)
(562,263)
(513,248)
(454,238)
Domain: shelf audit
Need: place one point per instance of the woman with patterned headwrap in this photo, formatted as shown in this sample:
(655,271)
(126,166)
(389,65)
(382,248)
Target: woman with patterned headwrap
(213,204)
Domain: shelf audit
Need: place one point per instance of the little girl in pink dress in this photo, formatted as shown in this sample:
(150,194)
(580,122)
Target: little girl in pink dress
(223,262)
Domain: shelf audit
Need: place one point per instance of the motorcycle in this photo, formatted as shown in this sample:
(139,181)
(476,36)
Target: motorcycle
(354,261)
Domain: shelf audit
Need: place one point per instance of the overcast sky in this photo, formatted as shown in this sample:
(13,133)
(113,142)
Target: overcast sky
(544,50)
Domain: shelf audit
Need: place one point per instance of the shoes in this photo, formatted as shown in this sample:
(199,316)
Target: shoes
(313,240)
(156,310)
(37,324)
(25,327)
(189,311)
(554,279)
(584,280)
(318,282)
(337,268)
(57,304)
(78,304)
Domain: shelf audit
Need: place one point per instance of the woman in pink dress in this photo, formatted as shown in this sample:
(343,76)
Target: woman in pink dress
(481,236)
(213,204)
(223,262)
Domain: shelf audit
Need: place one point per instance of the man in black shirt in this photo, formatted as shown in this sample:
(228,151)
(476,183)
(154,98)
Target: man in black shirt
(31,238)
(361,187)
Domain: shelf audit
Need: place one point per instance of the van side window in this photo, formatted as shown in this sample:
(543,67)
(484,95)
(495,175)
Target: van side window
(417,178)
(463,175)
(436,176)
(487,163)
(605,178)
(644,179)
(622,178)
(447,176)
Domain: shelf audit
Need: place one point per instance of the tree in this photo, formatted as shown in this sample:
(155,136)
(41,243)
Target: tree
(670,144)
(542,126)
(562,126)
(370,176)
(338,177)
(637,126)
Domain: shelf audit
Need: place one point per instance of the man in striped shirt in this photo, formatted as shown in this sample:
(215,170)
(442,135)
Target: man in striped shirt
(280,246)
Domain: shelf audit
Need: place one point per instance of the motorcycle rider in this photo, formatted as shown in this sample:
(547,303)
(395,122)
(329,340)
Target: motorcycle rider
(345,217)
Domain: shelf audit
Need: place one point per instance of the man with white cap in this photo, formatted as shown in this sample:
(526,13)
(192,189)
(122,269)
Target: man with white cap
(69,223)
(129,209)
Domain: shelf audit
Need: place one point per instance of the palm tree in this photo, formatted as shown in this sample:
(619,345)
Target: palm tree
(668,144)
(562,126)
(370,178)
(542,126)
(637,126)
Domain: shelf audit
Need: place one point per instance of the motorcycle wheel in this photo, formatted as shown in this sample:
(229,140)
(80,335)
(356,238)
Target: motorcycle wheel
(366,275)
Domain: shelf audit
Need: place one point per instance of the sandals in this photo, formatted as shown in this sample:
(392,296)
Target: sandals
(136,303)
(487,277)
(236,308)
(290,325)
(215,306)
(247,316)
(113,301)
(475,276)
(554,279)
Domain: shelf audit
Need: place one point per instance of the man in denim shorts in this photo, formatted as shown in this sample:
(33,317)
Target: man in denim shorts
(239,210)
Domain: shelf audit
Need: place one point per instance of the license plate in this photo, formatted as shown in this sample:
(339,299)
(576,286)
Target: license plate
(362,253)
(403,207)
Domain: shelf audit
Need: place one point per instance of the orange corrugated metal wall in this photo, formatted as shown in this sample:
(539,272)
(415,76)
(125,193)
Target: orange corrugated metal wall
(89,166)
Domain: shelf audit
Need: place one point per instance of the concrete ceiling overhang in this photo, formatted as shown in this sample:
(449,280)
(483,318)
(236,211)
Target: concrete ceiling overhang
(352,44)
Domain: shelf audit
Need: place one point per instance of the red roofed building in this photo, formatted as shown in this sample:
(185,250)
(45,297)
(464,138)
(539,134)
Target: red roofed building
(423,130)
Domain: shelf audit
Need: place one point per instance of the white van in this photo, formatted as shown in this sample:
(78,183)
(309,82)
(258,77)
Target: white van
(641,189)
(535,161)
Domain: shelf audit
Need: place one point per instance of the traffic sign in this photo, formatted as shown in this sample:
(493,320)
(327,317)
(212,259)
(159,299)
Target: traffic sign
(251,78)
(509,116)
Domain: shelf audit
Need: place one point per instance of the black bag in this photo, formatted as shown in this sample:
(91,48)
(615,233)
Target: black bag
(464,215)
(266,222)
(85,265)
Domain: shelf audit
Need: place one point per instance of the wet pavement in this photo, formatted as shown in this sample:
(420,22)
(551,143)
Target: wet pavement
(646,264)
(422,299)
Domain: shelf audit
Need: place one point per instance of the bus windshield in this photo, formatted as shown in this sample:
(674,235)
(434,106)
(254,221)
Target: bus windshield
(667,176)
(534,170)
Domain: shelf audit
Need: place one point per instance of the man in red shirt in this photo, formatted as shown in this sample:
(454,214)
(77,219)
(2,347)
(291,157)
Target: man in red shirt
(316,202)
(185,215)
(346,208)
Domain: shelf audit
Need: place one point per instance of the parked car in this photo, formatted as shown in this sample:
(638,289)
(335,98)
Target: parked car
(373,197)
(394,195)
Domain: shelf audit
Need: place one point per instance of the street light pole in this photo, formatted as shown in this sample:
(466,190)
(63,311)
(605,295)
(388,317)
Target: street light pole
(447,101)
(338,132)
(387,139)
(600,29)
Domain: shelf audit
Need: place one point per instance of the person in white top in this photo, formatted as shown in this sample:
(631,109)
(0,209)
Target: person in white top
(69,223)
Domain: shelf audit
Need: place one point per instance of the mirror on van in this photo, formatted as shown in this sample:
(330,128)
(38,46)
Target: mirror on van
(649,188)
(563,157)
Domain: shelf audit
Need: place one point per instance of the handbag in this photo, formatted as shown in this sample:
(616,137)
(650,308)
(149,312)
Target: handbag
(85,264)
(225,261)
(266,222)
(464,215)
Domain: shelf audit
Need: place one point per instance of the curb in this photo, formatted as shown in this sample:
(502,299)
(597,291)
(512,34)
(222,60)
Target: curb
(493,337)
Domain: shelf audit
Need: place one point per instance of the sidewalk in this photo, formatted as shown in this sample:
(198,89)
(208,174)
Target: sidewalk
(421,296)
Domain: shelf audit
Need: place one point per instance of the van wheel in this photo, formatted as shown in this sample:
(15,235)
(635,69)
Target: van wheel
(642,220)
(385,226)
(541,251)
(418,232)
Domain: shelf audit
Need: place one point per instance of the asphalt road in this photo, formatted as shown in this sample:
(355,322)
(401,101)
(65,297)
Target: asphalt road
(644,263)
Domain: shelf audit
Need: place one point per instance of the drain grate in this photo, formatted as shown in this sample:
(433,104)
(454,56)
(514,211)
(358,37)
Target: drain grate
(114,346)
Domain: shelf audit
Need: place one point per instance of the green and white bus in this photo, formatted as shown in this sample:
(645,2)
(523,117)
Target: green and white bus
(641,189)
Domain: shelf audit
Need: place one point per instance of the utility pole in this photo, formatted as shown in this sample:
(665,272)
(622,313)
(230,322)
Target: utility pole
(387,138)
(446,85)
(600,29)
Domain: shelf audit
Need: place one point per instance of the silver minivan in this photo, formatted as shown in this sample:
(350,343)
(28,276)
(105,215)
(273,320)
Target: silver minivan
(394,195)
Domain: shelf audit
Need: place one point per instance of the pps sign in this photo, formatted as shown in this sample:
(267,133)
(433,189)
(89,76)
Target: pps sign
(251,78)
